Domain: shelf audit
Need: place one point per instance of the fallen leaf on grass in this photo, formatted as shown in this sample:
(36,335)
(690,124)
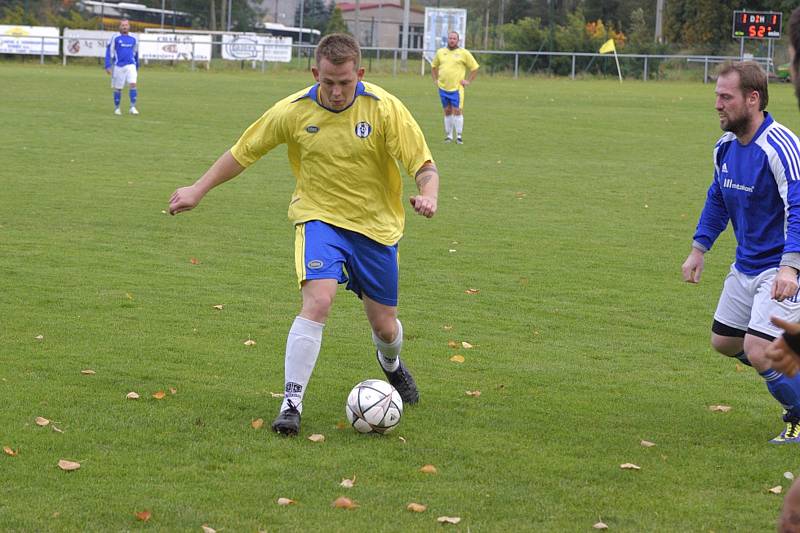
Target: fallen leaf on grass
(452,344)
(316,437)
(348,483)
(473,393)
(144,516)
(402,439)
(776,490)
(9,451)
(257,423)
(41,421)
(173,390)
(472,291)
(285,501)
(341,424)
(132,396)
(159,395)
(739,368)
(68,466)
(449,519)
(208,529)
(249,342)
(720,408)
(218,307)
(88,372)
(647,444)
(343,502)
(428,469)
(447,327)
(57,430)
(600,525)
(466,345)
(457,358)
(416,507)
(194,261)
(276,394)
(630,466)
(39,337)
(788,475)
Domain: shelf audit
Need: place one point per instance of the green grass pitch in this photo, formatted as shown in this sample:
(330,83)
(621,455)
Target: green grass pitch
(570,207)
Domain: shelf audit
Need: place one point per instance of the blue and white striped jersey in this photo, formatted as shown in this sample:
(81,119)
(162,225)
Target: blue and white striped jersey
(757,187)
(121,50)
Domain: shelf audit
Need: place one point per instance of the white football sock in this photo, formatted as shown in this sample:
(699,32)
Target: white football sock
(459,123)
(302,349)
(448,125)
(389,352)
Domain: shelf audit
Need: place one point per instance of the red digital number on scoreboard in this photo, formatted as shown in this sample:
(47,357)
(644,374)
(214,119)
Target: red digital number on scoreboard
(757,25)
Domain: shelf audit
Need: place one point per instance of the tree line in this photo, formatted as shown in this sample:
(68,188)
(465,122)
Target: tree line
(698,26)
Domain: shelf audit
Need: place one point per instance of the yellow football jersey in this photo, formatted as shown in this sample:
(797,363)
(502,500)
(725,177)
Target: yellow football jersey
(345,162)
(453,66)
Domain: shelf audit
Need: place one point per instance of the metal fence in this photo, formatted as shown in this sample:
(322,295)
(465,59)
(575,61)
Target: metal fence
(405,60)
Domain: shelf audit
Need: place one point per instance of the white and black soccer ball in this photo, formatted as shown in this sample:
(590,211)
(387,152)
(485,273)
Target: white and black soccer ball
(374,406)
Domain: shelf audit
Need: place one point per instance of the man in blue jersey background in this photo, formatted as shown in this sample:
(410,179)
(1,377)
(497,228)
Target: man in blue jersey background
(756,187)
(122,62)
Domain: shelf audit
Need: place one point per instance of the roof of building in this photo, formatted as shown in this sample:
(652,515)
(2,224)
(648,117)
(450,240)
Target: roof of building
(351,6)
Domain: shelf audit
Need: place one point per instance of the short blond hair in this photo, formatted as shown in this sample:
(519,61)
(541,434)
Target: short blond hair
(339,48)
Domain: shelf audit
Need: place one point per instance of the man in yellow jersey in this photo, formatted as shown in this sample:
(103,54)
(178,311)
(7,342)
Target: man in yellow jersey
(345,138)
(453,68)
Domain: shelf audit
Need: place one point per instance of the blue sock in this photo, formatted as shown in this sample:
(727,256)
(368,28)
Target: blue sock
(133,94)
(742,357)
(784,389)
(117,98)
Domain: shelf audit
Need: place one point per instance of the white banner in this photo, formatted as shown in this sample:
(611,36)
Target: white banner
(28,40)
(438,23)
(257,47)
(87,43)
(175,47)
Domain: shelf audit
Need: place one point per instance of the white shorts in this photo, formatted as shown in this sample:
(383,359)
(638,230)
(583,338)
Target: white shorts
(122,75)
(746,303)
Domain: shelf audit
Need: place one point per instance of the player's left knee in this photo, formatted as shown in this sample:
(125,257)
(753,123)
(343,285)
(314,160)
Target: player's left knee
(385,328)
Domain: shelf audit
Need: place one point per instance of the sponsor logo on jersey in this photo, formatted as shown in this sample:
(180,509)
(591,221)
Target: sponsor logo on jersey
(363,129)
(725,167)
(729,184)
(312,129)
(315,264)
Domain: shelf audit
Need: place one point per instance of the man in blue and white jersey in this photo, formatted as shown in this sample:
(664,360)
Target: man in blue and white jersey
(756,187)
(122,62)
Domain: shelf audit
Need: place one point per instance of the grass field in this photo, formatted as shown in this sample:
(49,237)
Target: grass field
(570,207)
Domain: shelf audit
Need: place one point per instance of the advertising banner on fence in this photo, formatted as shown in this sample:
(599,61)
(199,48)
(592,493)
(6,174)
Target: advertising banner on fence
(174,47)
(28,40)
(438,23)
(87,43)
(257,47)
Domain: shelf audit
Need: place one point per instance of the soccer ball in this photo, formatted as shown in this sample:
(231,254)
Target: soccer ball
(374,406)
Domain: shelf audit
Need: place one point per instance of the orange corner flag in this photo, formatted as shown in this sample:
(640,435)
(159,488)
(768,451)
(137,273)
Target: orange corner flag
(608,46)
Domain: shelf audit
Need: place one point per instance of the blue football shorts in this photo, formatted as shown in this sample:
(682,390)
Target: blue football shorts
(324,251)
(452,98)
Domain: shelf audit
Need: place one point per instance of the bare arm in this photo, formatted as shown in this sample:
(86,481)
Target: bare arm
(470,77)
(426,202)
(187,198)
(435,75)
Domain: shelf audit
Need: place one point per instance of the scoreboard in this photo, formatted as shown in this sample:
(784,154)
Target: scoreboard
(757,24)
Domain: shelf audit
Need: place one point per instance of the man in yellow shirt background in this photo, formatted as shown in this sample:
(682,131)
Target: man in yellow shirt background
(345,138)
(453,68)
